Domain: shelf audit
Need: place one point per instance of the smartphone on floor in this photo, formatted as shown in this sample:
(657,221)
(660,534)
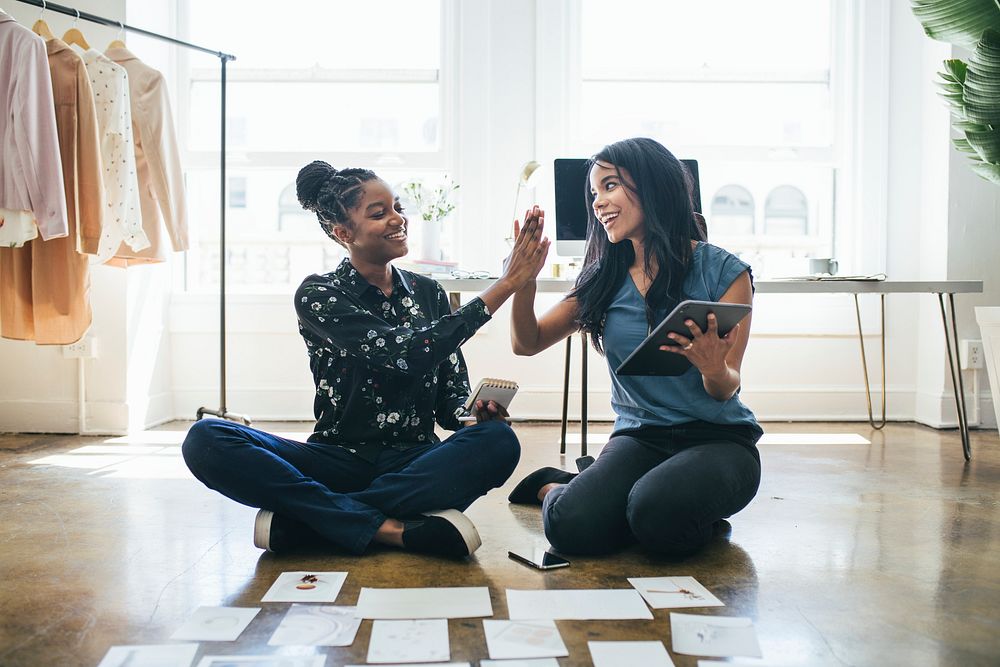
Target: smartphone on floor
(539,558)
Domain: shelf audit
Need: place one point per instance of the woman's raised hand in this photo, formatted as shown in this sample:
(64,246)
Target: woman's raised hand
(527,257)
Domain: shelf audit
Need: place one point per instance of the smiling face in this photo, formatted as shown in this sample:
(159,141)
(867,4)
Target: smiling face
(377,233)
(616,205)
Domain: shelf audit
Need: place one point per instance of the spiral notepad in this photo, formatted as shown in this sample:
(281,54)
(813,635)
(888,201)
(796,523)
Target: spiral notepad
(499,391)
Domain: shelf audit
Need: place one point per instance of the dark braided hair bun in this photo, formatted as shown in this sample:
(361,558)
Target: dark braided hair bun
(310,182)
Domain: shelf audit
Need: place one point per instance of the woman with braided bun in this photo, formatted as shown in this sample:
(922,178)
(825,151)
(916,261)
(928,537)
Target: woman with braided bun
(384,352)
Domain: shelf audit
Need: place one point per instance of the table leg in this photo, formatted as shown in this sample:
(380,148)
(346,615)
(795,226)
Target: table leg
(583,395)
(864,363)
(951,339)
(565,406)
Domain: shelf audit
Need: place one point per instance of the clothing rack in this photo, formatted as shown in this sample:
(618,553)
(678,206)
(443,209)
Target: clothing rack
(222,412)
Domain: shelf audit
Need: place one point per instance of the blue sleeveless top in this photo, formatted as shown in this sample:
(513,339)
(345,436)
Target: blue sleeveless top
(641,401)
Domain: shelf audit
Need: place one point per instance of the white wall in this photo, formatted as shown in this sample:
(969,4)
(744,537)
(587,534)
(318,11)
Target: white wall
(938,220)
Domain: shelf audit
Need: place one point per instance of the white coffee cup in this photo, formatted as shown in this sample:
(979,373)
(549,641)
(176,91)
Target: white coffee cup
(820,266)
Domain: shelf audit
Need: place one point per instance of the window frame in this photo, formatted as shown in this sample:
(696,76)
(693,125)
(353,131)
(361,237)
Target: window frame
(858,157)
(442,160)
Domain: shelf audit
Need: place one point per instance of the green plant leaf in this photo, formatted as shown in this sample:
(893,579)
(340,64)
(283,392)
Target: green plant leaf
(982,81)
(962,144)
(991,172)
(987,144)
(959,22)
(956,69)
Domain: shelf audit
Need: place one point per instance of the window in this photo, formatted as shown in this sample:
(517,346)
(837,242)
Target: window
(786,212)
(331,81)
(732,211)
(754,101)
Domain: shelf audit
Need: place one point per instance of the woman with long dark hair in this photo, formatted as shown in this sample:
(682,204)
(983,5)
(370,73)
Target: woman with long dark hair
(384,352)
(683,453)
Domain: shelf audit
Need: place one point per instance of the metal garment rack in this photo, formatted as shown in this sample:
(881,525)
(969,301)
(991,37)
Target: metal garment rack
(224,58)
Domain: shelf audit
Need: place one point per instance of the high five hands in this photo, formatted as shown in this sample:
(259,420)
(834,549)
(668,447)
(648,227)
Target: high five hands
(527,257)
(706,350)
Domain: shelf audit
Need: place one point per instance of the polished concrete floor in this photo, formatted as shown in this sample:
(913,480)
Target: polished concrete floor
(877,554)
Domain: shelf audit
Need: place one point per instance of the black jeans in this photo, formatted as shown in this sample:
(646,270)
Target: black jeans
(662,486)
(340,495)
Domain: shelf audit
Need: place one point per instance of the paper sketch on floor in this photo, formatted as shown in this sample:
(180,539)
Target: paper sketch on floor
(523,639)
(216,624)
(714,636)
(528,662)
(150,655)
(412,603)
(674,592)
(582,605)
(312,625)
(305,587)
(614,654)
(262,661)
(409,641)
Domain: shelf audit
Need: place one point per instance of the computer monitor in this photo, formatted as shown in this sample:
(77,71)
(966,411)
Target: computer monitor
(571,203)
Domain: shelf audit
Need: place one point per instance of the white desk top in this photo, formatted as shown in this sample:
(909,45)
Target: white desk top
(773,286)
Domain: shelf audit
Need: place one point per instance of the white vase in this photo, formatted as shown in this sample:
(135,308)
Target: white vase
(988,318)
(430,241)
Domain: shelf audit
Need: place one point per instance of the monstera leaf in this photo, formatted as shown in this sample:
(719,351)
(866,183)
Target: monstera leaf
(959,22)
(971,90)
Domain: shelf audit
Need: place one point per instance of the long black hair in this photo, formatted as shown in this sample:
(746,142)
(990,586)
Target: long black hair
(331,194)
(663,189)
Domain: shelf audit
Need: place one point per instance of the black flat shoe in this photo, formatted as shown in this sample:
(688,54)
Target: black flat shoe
(526,491)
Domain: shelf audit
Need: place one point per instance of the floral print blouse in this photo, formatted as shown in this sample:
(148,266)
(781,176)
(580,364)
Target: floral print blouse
(385,368)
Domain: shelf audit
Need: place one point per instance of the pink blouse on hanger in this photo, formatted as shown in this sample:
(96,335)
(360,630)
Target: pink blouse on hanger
(31,176)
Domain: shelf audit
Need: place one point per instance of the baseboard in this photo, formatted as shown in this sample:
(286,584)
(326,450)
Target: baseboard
(534,403)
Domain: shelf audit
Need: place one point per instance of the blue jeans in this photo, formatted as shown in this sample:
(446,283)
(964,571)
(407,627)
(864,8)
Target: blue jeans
(338,494)
(663,487)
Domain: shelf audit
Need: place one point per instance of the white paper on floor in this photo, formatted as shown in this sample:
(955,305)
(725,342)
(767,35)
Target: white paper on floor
(305,587)
(262,661)
(582,605)
(674,592)
(216,624)
(150,655)
(312,625)
(424,640)
(715,636)
(528,662)
(523,639)
(411,603)
(614,654)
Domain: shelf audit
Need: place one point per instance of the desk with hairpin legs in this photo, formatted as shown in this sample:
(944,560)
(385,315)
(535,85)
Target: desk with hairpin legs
(942,288)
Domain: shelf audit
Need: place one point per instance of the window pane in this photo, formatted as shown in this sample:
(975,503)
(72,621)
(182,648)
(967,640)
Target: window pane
(706,36)
(702,114)
(271,242)
(347,117)
(388,34)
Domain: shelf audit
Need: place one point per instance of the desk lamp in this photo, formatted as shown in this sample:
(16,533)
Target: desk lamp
(527,178)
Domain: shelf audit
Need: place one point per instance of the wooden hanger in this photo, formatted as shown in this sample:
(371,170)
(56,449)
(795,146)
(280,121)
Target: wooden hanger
(41,28)
(118,43)
(74,36)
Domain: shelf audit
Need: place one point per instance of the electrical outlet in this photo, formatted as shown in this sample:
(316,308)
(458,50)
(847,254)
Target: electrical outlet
(971,354)
(85,348)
